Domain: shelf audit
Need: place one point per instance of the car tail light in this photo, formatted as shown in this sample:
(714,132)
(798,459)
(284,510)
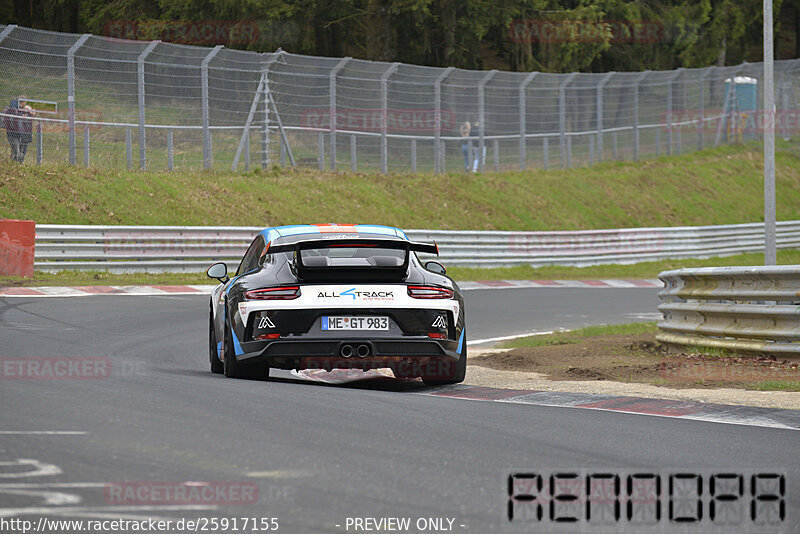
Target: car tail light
(429,292)
(437,335)
(273,293)
(262,337)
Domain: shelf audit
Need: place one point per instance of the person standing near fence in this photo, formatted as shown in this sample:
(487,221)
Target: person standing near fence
(464,130)
(19,127)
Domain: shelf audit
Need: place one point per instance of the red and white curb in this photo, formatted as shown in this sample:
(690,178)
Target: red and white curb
(585,284)
(149,291)
(699,411)
(90,291)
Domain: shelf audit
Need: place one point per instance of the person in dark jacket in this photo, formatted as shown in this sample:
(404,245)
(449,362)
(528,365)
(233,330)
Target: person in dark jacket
(19,127)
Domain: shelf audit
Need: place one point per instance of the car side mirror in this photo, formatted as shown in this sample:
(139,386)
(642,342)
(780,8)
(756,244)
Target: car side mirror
(435,267)
(219,271)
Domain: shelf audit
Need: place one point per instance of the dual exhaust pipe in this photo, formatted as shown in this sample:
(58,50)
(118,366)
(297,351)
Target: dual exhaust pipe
(362,351)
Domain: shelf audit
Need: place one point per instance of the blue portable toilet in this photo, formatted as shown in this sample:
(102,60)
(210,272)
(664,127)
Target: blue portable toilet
(744,102)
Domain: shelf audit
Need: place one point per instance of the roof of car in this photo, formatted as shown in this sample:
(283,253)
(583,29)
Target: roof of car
(315,231)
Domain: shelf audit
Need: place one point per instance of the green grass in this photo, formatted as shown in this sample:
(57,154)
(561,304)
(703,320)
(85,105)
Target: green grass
(776,385)
(718,186)
(576,336)
(461,274)
(634,270)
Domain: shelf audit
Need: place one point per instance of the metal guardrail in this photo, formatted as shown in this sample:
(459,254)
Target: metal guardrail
(192,248)
(741,308)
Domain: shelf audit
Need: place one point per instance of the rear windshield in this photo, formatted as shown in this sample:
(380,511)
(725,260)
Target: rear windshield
(352,256)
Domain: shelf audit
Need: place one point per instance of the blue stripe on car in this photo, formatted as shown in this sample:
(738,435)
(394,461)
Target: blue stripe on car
(461,341)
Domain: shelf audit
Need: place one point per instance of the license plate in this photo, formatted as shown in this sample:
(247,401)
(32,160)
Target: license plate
(342,322)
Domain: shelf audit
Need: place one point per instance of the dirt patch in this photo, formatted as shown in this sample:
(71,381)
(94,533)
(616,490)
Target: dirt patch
(639,359)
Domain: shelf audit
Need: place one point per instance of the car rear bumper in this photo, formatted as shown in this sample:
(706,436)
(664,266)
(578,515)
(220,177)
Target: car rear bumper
(311,353)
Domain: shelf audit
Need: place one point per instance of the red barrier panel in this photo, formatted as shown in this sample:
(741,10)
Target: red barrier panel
(17,240)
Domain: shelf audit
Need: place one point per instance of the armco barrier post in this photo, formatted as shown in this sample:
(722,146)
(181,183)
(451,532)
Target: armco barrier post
(17,242)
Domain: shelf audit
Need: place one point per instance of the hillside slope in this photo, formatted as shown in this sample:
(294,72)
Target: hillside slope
(718,186)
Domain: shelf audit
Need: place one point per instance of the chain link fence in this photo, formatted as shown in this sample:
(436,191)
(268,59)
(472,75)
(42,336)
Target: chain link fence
(137,104)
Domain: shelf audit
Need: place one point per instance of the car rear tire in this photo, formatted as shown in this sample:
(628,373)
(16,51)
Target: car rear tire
(217,366)
(233,368)
(454,374)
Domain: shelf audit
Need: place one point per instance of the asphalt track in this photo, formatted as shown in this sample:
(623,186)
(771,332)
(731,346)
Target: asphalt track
(319,454)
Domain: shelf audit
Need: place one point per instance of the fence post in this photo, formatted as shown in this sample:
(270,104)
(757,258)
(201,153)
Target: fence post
(636,114)
(482,118)
(443,152)
(658,141)
(545,155)
(353,159)
(599,104)
(86,145)
(414,156)
(332,112)
(320,151)
(496,152)
(523,87)
(39,141)
(615,146)
(128,149)
(569,151)
(140,91)
(71,93)
(562,115)
(702,125)
(591,150)
(170,151)
(204,104)
(669,109)
(384,109)
(437,132)
(247,154)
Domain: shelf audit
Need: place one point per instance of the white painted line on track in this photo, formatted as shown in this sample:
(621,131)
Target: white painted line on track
(62,485)
(42,433)
(506,338)
(61,510)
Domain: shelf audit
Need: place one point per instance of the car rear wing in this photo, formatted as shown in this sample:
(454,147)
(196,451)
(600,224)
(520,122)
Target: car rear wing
(324,271)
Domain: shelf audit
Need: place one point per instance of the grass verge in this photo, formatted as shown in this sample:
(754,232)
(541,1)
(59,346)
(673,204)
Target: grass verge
(716,186)
(629,353)
(461,274)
